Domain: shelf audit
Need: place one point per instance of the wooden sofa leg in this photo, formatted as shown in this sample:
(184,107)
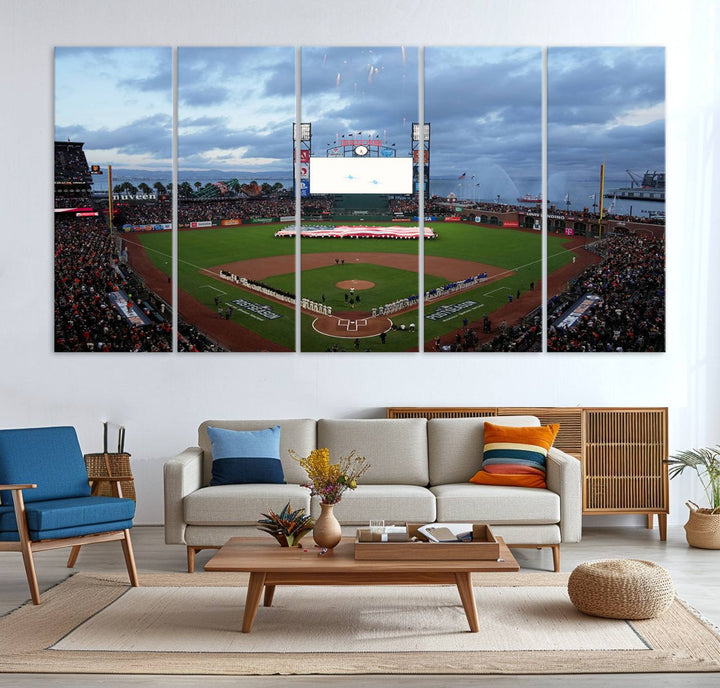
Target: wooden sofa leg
(556,557)
(129,559)
(191,559)
(72,559)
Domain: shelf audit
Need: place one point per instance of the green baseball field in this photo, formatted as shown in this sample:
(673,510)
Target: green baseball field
(353,276)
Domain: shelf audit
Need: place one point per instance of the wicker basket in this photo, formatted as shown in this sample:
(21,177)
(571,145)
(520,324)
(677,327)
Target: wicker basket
(108,466)
(621,589)
(703,527)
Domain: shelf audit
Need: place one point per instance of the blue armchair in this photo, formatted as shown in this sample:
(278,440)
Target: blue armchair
(46,503)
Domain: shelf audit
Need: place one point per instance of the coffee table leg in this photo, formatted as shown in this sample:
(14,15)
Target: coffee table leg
(269,592)
(252,601)
(467,597)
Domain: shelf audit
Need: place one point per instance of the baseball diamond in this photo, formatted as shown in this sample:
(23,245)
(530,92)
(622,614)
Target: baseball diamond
(375,274)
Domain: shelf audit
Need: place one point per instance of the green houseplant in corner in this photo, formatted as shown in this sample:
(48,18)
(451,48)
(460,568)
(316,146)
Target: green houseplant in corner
(703,527)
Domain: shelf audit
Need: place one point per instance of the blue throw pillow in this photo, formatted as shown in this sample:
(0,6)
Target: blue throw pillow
(245,456)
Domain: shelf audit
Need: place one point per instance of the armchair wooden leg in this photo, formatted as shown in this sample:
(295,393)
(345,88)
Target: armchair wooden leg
(26,545)
(30,572)
(556,558)
(130,559)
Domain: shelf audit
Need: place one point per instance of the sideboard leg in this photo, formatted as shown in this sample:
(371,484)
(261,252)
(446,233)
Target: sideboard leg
(662,523)
(650,521)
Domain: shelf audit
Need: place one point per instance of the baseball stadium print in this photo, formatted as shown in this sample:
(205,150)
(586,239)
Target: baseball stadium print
(359,237)
(606,170)
(482,148)
(113,162)
(376,183)
(236,282)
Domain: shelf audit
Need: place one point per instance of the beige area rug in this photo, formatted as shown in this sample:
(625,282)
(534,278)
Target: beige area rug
(189,624)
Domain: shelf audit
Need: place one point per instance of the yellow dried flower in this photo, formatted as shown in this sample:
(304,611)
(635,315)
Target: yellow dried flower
(329,480)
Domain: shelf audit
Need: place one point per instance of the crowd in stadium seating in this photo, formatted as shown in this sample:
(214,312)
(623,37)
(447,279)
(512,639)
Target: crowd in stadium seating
(79,201)
(150,213)
(191,339)
(85,272)
(631,315)
(219,209)
(409,207)
(525,336)
(71,163)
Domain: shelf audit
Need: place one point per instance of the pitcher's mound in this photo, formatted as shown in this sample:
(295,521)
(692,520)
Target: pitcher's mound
(358,285)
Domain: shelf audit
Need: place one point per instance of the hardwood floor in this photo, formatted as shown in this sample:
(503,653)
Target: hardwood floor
(696,574)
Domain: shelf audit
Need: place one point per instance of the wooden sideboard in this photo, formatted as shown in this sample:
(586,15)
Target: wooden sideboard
(622,451)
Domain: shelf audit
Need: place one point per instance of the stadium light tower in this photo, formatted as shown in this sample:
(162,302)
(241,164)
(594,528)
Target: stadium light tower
(305,149)
(420,141)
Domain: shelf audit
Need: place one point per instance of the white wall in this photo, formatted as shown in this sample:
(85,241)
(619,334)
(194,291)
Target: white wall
(162,398)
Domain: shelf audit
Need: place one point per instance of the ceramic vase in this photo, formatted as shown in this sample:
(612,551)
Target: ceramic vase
(327,532)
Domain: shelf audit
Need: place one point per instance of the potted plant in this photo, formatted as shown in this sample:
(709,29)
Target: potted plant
(703,527)
(328,481)
(288,527)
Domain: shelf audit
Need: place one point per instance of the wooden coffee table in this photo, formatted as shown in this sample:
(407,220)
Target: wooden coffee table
(270,565)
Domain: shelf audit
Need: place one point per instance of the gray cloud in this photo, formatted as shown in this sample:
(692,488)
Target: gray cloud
(150,136)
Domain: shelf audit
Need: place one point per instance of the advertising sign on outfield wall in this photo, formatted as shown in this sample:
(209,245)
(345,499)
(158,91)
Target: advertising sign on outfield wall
(202,223)
(231,223)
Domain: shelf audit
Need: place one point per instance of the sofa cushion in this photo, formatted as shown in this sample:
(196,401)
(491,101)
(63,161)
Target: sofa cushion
(245,456)
(455,445)
(295,433)
(86,514)
(547,534)
(227,505)
(496,504)
(396,449)
(515,456)
(51,458)
(382,502)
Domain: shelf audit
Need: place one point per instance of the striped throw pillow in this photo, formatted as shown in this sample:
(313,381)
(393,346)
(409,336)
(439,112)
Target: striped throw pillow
(515,456)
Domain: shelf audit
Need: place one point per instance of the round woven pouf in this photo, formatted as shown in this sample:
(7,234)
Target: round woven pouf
(621,589)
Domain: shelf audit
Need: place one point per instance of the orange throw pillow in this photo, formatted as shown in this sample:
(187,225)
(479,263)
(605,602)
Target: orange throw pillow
(515,456)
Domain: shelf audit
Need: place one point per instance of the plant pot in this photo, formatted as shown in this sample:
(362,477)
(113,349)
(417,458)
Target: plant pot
(703,527)
(327,532)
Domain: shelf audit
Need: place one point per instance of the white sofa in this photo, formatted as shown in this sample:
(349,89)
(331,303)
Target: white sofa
(420,471)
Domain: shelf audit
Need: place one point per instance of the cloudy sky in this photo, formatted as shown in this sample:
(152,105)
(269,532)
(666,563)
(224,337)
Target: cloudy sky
(118,101)
(368,90)
(605,103)
(484,109)
(236,106)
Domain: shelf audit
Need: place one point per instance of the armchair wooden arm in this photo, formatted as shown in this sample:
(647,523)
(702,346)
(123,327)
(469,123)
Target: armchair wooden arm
(29,486)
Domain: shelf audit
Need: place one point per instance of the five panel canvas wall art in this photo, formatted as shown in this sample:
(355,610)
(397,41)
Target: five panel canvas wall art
(359,199)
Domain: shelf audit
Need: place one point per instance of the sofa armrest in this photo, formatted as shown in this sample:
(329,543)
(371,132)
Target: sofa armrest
(564,477)
(181,475)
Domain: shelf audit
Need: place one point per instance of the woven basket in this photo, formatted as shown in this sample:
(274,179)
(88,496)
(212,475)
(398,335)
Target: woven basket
(109,466)
(621,589)
(703,527)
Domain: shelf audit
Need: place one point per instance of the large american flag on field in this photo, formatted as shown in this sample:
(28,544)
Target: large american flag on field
(345,231)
